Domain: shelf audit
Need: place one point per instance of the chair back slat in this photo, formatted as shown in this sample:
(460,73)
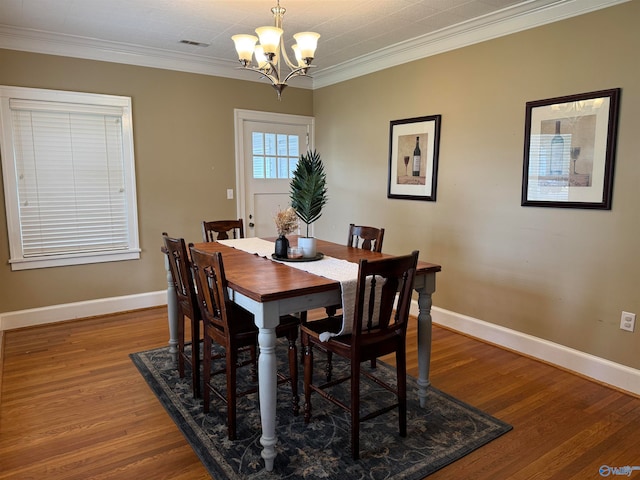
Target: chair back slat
(220,229)
(180,268)
(383,281)
(218,308)
(367,238)
(212,290)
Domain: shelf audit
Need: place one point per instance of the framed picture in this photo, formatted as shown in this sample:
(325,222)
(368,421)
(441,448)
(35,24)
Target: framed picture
(413,158)
(569,150)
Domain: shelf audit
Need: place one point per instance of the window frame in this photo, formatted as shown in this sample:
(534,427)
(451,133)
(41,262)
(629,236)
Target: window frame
(9,177)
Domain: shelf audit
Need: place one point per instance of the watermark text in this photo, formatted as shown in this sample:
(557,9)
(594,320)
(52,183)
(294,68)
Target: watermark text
(606,470)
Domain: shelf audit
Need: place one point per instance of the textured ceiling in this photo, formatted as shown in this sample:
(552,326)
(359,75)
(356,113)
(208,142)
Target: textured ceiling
(370,33)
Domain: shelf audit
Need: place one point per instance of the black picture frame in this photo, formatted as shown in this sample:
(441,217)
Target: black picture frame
(569,150)
(420,183)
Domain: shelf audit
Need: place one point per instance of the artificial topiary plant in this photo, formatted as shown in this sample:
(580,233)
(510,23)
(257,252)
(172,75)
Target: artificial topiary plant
(309,188)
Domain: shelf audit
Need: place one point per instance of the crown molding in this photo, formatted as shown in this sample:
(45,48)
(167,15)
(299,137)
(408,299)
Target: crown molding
(36,41)
(512,20)
(522,17)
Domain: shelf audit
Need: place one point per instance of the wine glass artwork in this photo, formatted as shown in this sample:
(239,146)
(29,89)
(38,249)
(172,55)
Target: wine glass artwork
(406,164)
(575,153)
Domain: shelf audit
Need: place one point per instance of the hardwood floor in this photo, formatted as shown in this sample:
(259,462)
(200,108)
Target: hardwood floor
(73,406)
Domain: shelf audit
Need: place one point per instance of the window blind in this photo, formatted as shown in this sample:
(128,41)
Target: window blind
(70,178)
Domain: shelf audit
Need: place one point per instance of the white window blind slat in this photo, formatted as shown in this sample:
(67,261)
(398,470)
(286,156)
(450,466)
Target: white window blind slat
(64,107)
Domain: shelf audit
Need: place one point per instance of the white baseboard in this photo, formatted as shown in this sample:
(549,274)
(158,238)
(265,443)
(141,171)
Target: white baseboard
(596,368)
(614,374)
(71,311)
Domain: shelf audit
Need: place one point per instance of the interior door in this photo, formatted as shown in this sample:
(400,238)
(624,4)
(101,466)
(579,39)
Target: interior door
(270,149)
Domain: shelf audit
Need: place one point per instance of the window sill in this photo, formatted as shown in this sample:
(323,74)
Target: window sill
(66,260)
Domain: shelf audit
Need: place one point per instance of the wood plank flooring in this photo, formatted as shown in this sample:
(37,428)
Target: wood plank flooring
(73,406)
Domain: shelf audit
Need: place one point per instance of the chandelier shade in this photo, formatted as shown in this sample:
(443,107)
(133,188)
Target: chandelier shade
(307,43)
(245,45)
(270,52)
(269,38)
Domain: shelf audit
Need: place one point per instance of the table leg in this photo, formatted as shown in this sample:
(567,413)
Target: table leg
(424,289)
(266,318)
(172,311)
(267,375)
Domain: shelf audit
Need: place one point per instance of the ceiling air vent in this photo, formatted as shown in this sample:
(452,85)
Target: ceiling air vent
(196,44)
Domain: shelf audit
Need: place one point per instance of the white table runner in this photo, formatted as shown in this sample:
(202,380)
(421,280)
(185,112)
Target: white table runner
(333,268)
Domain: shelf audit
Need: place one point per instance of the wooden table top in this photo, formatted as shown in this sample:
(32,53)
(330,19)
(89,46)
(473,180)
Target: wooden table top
(264,280)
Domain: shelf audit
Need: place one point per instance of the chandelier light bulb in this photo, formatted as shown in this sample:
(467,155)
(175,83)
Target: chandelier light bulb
(261,58)
(296,52)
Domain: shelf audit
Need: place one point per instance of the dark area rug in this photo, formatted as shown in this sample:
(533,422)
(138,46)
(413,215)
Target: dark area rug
(443,432)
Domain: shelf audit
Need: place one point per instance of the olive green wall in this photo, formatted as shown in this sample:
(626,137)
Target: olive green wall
(184,152)
(564,275)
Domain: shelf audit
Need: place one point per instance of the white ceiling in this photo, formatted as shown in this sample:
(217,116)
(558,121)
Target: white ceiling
(357,36)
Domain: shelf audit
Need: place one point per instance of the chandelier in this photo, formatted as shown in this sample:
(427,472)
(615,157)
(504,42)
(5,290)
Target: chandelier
(270,52)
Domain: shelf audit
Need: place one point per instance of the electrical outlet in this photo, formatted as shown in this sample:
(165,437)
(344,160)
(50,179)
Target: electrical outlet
(628,321)
(229,193)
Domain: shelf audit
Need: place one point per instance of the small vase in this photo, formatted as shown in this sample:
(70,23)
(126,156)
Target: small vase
(308,246)
(282,245)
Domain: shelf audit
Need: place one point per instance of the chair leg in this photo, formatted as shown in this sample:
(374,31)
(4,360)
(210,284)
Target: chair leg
(232,361)
(329,367)
(355,408)
(181,320)
(293,372)
(308,378)
(206,373)
(303,320)
(331,311)
(401,362)
(195,357)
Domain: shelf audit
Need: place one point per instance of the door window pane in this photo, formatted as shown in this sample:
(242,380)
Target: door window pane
(274,155)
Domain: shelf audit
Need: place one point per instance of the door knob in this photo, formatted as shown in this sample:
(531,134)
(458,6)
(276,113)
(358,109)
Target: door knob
(251,224)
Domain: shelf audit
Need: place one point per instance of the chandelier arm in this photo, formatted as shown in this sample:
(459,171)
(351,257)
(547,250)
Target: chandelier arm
(272,78)
(283,52)
(299,71)
(273,72)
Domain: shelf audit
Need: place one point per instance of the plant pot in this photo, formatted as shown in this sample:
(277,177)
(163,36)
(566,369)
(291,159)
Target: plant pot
(282,245)
(308,246)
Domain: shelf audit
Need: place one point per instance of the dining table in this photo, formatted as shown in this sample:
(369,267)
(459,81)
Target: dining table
(270,288)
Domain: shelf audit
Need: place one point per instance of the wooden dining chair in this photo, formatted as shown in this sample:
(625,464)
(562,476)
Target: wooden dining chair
(233,328)
(187,306)
(220,230)
(369,340)
(367,238)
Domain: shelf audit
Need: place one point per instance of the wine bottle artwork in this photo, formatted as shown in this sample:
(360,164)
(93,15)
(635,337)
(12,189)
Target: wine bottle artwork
(416,159)
(556,160)
(406,164)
